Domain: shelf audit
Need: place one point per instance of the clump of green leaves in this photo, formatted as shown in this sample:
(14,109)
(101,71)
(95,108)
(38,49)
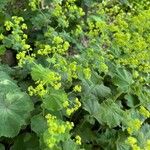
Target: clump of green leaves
(81,66)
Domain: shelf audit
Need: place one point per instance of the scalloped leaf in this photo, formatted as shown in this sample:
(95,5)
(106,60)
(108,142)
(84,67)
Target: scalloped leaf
(38,124)
(110,113)
(123,79)
(6,83)
(15,108)
(54,99)
(26,141)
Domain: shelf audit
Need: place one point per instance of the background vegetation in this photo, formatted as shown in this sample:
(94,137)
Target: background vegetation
(74,75)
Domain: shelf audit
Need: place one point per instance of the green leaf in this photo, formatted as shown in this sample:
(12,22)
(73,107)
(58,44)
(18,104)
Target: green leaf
(38,124)
(38,72)
(6,83)
(131,100)
(107,112)
(143,135)
(88,134)
(27,141)
(113,140)
(123,79)
(101,91)
(2,147)
(5,68)
(90,104)
(15,108)
(110,113)
(70,145)
(54,99)
(2,49)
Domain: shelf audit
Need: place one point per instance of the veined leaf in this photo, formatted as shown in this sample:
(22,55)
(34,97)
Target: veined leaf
(90,104)
(101,91)
(107,112)
(113,140)
(123,79)
(26,141)
(15,108)
(6,83)
(143,135)
(38,124)
(70,145)
(110,113)
(54,99)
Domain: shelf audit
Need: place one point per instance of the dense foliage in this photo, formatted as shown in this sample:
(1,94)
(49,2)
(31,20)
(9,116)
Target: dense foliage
(75,74)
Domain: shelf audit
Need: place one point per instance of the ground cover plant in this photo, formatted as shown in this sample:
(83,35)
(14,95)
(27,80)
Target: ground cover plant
(74,75)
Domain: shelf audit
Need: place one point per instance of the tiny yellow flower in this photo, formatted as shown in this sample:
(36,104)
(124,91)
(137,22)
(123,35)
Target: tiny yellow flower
(24,26)
(77,88)
(78,140)
(66,104)
(131,140)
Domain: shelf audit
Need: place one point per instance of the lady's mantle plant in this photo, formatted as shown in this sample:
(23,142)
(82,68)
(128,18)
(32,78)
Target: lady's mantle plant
(81,78)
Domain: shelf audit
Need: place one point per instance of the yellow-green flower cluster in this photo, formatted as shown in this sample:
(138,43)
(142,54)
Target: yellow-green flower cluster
(8,25)
(70,110)
(54,79)
(23,58)
(45,51)
(96,28)
(78,140)
(147,145)
(125,32)
(60,63)
(135,74)
(46,75)
(66,104)
(143,111)
(17,35)
(58,11)
(134,125)
(87,73)
(17,20)
(72,71)
(77,88)
(133,143)
(68,10)
(103,67)
(38,90)
(14,23)
(73,11)
(138,61)
(34,4)
(1,36)
(56,129)
(78,30)
(139,6)
(121,38)
(58,46)
(134,44)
